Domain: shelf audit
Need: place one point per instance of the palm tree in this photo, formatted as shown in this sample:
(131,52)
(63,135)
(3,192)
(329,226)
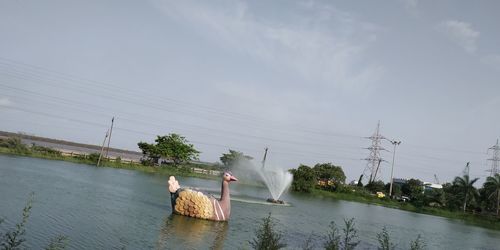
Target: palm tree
(466,187)
(492,185)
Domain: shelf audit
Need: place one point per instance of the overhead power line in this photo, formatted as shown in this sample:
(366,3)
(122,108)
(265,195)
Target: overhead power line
(28,70)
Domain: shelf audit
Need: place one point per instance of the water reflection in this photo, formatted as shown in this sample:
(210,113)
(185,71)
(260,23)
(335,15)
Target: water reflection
(181,232)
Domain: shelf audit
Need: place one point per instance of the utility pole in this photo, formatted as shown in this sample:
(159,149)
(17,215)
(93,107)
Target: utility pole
(102,148)
(394,143)
(264,159)
(466,169)
(109,139)
(495,159)
(374,159)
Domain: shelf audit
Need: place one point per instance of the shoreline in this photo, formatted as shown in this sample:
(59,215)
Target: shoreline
(471,219)
(184,171)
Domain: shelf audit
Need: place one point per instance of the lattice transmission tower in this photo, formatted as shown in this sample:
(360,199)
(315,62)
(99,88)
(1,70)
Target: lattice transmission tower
(495,159)
(374,158)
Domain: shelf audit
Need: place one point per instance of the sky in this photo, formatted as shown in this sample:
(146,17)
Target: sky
(308,79)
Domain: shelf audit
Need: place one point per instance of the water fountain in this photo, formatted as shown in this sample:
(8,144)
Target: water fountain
(277,180)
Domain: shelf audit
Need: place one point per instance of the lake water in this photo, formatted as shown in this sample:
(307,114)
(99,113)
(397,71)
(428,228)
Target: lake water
(104,208)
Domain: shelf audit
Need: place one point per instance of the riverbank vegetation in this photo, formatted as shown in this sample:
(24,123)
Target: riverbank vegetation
(459,199)
(15,238)
(14,146)
(268,237)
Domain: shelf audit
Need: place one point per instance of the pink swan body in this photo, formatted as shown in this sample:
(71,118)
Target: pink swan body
(198,205)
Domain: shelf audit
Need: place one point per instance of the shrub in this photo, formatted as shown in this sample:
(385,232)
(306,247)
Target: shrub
(14,239)
(266,237)
(384,240)
(349,240)
(417,244)
(15,144)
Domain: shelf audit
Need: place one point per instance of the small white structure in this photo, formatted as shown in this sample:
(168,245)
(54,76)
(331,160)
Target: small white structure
(430,185)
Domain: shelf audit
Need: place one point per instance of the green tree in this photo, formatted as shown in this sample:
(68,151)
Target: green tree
(303,179)
(466,188)
(452,198)
(492,187)
(434,197)
(234,157)
(150,152)
(375,186)
(331,172)
(267,238)
(413,188)
(172,147)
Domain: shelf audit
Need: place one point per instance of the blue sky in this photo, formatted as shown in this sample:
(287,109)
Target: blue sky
(308,79)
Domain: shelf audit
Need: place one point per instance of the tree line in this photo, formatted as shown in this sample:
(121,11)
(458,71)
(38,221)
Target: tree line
(457,195)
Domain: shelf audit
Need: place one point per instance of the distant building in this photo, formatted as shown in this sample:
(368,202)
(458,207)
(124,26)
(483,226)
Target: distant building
(429,186)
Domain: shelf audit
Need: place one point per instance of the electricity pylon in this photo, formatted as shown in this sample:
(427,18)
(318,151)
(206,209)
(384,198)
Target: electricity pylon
(495,159)
(374,158)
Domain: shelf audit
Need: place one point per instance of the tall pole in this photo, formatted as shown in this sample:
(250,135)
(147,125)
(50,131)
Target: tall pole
(102,148)
(264,159)
(395,143)
(109,139)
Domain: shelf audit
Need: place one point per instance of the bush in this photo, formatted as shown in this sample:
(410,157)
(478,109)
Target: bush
(375,186)
(417,244)
(46,150)
(15,144)
(384,240)
(14,239)
(349,240)
(94,157)
(266,237)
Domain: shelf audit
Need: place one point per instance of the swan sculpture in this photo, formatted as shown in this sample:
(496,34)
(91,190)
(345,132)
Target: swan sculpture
(198,205)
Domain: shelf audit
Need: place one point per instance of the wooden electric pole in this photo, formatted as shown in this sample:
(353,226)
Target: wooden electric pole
(264,159)
(102,148)
(109,139)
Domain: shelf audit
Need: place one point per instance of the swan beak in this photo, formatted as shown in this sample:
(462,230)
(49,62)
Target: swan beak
(232,178)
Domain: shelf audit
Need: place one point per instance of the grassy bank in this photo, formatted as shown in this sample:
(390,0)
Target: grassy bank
(181,170)
(472,219)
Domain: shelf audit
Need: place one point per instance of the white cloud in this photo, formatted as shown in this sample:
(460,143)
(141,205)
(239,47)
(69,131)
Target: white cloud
(460,33)
(492,61)
(320,43)
(5,102)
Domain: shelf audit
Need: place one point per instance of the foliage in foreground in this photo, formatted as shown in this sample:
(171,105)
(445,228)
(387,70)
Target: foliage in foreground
(384,240)
(349,240)
(14,239)
(267,238)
